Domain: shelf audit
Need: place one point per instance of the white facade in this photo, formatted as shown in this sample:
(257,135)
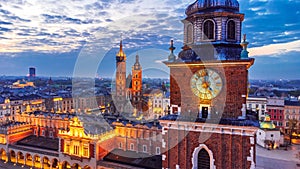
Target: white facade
(158,104)
(258,105)
(4,109)
(265,136)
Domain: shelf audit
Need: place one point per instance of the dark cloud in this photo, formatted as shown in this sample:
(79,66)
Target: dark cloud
(5,23)
(2,29)
(64,19)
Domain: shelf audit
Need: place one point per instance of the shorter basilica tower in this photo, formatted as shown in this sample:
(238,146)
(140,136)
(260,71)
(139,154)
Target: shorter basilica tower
(136,84)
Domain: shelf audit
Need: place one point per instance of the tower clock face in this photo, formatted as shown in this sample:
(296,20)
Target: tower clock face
(206,84)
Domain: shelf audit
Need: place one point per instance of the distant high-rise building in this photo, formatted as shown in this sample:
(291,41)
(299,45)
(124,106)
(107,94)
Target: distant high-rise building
(32,72)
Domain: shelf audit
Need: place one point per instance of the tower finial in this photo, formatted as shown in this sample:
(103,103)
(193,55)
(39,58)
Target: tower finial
(244,44)
(172,48)
(245,37)
(121,42)
(172,57)
(121,52)
(137,58)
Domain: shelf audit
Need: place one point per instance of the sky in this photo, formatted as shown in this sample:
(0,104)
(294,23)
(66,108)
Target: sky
(81,37)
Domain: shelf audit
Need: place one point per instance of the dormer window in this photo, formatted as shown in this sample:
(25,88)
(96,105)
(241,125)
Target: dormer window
(231,30)
(209,30)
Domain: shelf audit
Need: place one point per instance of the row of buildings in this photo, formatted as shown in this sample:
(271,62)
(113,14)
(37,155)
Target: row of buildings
(281,111)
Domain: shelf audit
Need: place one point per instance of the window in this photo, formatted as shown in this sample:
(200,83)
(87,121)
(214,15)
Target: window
(157,150)
(67,148)
(272,135)
(231,30)
(144,148)
(208,30)
(120,145)
(43,133)
(132,147)
(86,150)
(203,159)
(51,134)
(76,150)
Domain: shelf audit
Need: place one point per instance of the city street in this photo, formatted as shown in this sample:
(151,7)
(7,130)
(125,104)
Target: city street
(277,159)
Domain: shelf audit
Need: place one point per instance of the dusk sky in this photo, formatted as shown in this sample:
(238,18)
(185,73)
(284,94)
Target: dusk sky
(81,37)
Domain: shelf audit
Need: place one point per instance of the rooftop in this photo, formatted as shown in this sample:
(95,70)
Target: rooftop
(135,159)
(222,121)
(40,142)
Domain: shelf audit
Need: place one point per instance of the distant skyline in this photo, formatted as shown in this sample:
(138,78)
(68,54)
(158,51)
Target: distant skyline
(81,37)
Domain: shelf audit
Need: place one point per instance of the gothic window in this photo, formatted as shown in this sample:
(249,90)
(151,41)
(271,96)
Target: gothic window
(203,159)
(209,30)
(231,30)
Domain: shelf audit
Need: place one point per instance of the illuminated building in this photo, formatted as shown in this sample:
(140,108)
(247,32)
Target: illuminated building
(119,96)
(136,85)
(4,108)
(268,135)
(22,84)
(47,140)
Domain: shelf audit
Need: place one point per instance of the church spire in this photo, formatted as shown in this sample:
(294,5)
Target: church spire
(137,65)
(121,56)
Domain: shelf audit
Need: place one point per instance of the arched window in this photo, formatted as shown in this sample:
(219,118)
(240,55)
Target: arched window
(209,30)
(203,159)
(231,30)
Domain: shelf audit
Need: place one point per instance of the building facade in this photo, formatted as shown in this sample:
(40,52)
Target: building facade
(275,109)
(291,117)
(258,105)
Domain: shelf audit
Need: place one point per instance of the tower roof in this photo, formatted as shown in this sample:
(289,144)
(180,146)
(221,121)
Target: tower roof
(137,65)
(200,6)
(121,53)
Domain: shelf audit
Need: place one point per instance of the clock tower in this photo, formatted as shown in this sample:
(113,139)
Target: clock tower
(210,76)
(209,81)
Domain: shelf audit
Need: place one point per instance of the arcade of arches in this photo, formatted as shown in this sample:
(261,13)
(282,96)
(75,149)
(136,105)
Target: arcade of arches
(37,160)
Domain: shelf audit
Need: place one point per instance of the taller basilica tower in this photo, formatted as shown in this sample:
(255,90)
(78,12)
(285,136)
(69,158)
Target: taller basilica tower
(209,81)
(120,81)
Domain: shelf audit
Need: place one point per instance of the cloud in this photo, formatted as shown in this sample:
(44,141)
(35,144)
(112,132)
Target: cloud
(52,20)
(274,50)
